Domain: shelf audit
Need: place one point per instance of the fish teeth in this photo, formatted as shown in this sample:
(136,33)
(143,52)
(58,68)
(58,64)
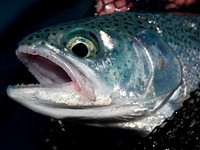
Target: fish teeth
(22,85)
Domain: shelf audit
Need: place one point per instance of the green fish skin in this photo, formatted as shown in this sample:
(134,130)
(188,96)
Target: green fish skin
(132,68)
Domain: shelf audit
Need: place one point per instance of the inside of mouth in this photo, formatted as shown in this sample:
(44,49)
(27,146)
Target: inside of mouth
(45,70)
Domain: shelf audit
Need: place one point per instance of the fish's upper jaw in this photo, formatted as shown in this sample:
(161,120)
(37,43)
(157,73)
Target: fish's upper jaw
(52,70)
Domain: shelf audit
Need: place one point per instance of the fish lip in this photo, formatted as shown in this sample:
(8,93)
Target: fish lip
(75,74)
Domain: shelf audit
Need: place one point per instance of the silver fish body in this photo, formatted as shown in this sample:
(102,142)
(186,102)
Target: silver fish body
(131,67)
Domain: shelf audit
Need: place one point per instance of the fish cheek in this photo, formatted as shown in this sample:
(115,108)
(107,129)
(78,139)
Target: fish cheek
(162,58)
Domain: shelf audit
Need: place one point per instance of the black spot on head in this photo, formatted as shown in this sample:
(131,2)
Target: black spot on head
(128,23)
(46,35)
(99,26)
(43,43)
(187,30)
(37,35)
(110,22)
(46,30)
(107,26)
(106,19)
(129,32)
(116,24)
(189,42)
(124,19)
(61,28)
(64,43)
(140,22)
(136,15)
(151,27)
(86,24)
(30,38)
(117,30)
(126,27)
(69,26)
(141,27)
(115,20)
(130,17)
(135,28)
(93,36)
(54,34)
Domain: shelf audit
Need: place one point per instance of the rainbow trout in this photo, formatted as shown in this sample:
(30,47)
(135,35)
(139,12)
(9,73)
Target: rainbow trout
(132,68)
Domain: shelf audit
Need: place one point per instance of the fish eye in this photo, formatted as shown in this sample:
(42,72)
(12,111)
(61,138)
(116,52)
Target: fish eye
(81,47)
(80,50)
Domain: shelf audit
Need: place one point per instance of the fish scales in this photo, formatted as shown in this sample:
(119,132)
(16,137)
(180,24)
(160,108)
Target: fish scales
(130,66)
(181,32)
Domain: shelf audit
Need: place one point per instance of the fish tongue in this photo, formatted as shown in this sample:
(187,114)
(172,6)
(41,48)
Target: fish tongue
(85,87)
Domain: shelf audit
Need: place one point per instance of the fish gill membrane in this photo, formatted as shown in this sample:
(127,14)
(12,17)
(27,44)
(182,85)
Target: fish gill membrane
(131,69)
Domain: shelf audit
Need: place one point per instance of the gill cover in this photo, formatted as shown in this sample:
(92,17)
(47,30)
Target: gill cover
(162,70)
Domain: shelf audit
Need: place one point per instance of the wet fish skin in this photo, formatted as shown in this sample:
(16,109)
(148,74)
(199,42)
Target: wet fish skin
(179,31)
(121,42)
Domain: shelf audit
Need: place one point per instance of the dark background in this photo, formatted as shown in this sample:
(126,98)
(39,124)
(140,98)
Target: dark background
(22,129)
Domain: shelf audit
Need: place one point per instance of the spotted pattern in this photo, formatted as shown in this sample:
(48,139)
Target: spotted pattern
(182,33)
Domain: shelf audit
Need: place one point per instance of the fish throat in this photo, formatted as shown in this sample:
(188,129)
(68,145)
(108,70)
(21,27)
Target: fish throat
(45,70)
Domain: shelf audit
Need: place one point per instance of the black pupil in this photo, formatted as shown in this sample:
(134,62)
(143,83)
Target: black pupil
(80,50)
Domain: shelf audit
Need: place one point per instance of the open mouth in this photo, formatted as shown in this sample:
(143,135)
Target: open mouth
(51,70)
(46,71)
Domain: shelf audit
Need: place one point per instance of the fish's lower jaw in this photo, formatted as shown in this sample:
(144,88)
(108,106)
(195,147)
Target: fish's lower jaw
(63,101)
(50,95)
(103,100)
